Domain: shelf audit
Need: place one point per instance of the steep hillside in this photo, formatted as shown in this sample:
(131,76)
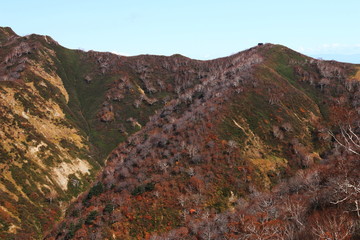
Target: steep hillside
(187,149)
(113,96)
(44,155)
(62,112)
(250,121)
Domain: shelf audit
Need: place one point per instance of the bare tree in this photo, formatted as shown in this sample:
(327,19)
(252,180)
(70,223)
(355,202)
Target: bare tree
(334,227)
(295,210)
(163,166)
(348,191)
(348,139)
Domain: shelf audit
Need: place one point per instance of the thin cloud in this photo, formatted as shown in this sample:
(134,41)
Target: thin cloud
(332,48)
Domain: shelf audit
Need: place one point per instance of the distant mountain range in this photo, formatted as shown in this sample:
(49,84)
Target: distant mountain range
(350,58)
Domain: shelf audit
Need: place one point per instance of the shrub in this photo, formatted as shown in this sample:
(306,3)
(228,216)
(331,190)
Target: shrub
(109,208)
(96,190)
(91,217)
(143,188)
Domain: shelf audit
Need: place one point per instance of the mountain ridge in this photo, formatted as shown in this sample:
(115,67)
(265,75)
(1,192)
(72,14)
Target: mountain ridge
(177,134)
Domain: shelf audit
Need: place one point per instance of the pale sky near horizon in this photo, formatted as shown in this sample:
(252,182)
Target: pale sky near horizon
(198,29)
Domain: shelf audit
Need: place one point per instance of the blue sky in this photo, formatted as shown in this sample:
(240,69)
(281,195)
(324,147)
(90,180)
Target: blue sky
(197,28)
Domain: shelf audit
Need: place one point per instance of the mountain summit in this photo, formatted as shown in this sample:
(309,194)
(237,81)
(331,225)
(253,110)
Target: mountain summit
(99,146)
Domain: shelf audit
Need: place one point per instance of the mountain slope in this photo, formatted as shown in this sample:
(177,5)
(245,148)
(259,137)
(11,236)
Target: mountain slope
(63,111)
(44,155)
(249,121)
(182,143)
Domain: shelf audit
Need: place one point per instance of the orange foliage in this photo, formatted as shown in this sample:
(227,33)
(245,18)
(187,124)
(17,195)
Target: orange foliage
(147,235)
(81,234)
(192,211)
